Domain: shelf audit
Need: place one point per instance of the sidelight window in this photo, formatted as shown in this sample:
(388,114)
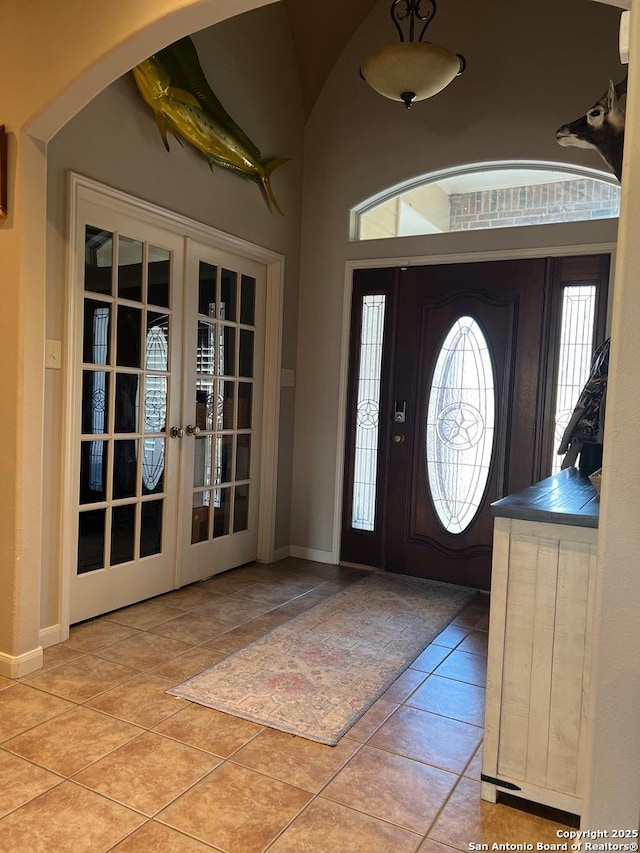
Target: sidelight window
(574,355)
(368,412)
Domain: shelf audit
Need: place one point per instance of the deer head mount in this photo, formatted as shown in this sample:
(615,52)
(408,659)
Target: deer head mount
(601,128)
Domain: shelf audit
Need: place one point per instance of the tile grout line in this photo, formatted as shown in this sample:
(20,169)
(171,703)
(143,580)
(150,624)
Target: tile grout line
(450,795)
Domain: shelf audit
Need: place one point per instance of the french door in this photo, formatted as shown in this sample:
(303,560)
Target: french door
(224,343)
(168,395)
(457,373)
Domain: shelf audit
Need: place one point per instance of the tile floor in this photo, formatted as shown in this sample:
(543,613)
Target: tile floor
(94,756)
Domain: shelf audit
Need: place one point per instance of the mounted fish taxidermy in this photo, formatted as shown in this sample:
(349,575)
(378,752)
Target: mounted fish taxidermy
(601,128)
(173,84)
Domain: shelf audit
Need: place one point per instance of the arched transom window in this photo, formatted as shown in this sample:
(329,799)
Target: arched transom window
(487,195)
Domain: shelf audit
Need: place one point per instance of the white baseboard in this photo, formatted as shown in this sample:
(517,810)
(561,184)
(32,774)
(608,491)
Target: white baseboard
(51,636)
(15,666)
(313,554)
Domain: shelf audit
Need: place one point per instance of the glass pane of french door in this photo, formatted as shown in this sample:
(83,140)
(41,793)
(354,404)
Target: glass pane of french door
(129,298)
(223,405)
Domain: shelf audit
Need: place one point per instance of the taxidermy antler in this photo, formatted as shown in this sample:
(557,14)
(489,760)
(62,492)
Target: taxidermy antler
(601,128)
(173,84)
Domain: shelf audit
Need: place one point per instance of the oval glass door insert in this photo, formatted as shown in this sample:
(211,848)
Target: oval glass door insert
(460,425)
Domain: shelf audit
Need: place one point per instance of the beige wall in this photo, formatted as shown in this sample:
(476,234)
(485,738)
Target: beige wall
(114,139)
(613,779)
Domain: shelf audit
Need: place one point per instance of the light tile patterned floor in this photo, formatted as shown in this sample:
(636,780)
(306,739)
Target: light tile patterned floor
(94,756)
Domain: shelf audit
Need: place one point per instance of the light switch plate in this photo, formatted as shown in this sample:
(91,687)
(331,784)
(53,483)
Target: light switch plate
(53,354)
(287,377)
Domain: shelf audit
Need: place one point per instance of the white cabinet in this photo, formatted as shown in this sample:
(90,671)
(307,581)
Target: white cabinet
(539,645)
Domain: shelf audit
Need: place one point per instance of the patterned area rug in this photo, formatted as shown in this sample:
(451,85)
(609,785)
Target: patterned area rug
(315,675)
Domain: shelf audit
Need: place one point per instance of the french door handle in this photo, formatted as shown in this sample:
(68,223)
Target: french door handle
(176,432)
(192,430)
(398,438)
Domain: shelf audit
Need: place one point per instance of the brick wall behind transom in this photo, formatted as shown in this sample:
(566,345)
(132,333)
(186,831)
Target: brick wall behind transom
(560,201)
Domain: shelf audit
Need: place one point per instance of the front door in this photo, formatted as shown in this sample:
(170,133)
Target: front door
(168,392)
(460,379)
(464,391)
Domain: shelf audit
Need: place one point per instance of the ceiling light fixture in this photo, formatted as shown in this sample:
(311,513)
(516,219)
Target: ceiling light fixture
(411,70)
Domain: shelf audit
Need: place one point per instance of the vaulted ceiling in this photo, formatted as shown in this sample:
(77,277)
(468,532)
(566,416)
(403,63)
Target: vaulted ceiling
(320,30)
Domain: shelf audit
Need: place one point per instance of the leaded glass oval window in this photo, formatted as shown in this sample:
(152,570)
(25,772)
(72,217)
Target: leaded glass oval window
(460,425)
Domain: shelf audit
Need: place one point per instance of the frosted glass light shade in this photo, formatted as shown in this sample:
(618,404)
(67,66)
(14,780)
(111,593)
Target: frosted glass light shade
(420,69)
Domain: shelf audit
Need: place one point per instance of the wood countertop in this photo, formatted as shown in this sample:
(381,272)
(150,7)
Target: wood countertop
(565,498)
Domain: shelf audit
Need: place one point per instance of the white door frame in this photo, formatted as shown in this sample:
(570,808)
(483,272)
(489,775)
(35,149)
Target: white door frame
(80,189)
(424,260)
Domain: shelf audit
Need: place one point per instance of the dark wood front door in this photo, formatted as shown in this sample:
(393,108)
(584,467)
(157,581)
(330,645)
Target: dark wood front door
(465,380)
(459,382)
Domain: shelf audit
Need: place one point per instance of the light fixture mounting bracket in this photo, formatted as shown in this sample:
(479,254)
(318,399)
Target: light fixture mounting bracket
(423,11)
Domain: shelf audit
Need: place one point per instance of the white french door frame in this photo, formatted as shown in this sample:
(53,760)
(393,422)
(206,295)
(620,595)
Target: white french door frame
(82,189)
(423,261)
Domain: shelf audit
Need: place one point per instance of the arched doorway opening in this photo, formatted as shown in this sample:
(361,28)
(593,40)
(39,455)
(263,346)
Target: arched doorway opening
(77,71)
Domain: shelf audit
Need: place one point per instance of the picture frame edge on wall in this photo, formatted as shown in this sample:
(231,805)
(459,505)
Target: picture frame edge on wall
(3,172)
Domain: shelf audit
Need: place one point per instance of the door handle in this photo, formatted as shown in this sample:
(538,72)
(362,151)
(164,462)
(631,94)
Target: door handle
(192,430)
(176,432)
(398,438)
